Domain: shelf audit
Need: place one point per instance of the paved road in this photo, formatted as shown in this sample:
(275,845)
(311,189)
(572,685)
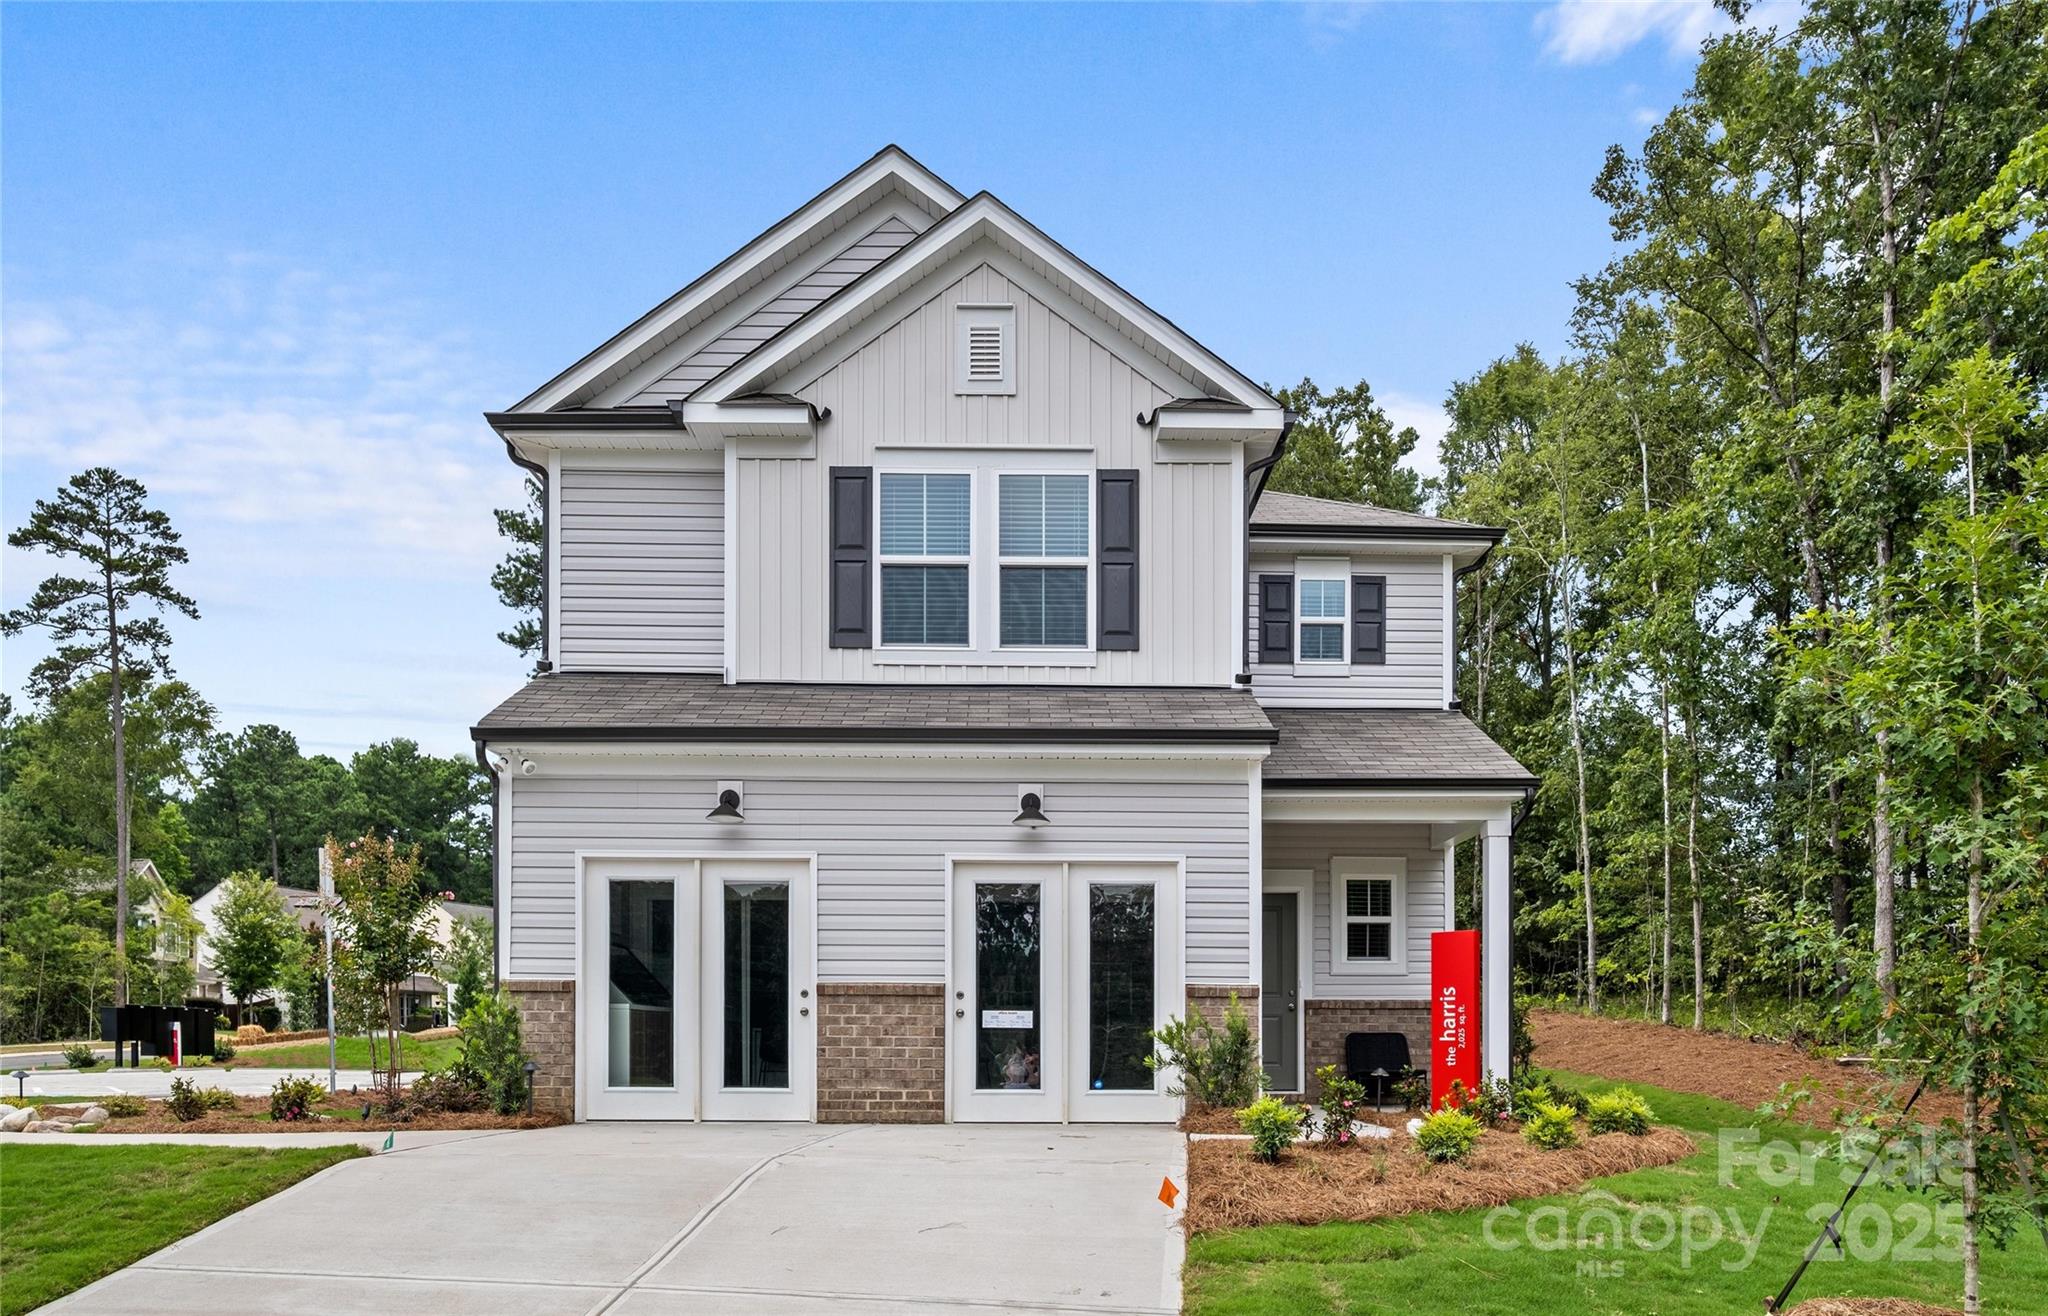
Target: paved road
(646,1219)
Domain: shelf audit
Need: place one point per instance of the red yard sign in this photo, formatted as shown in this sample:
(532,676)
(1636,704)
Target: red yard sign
(1453,1014)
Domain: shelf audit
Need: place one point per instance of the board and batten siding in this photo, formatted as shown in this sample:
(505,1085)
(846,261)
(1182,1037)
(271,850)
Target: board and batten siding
(1299,847)
(1412,676)
(881,844)
(1079,387)
(641,561)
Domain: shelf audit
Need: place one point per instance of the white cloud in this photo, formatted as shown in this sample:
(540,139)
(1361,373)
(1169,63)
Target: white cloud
(1643,116)
(306,418)
(1592,31)
(1428,419)
(1589,31)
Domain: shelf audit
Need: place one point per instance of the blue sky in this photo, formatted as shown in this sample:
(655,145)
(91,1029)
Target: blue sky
(275,260)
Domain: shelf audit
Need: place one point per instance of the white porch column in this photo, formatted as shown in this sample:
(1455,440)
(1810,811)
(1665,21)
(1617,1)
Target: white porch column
(1497,984)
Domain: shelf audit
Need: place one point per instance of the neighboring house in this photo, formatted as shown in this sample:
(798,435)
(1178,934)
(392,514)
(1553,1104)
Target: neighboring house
(151,900)
(422,993)
(932,703)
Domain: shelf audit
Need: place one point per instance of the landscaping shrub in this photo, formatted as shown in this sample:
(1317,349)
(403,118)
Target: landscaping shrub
(221,1023)
(79,1056)
(163,1063)
(1619,1111)
(1217,1066)
(454,1091)
(124,1105)
(294,1098)
(1552,1127)
(216,1099)
(1272,1124)
(1541,1091)
(1448,1135)
(1341,1100)
(223,1050)
(1492,1103)
(185,1103)
(493,1057)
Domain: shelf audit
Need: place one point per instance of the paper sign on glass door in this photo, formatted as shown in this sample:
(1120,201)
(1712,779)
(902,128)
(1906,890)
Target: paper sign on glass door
(1006,1018)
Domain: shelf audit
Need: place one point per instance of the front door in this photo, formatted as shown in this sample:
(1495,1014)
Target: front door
(698,1000)
(1060,972)
(1279,989)
(1008,948)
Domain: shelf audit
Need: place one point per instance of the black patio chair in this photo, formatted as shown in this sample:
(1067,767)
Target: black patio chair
(1379,1059)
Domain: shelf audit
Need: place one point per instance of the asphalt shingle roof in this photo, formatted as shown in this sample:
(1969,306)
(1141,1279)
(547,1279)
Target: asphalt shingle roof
(1285,511)
(663,706)
(1387,746)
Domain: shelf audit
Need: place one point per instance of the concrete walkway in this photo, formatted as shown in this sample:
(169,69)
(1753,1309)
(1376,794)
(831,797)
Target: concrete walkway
(157,1082)
(645,1219)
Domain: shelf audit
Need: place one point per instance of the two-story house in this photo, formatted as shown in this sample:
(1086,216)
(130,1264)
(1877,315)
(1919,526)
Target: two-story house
(933,702)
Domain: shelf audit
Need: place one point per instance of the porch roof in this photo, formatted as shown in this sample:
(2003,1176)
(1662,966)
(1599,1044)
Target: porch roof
(674,706)
(1422,747)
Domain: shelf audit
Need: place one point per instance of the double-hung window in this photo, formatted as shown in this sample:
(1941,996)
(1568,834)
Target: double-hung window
(1368,897)
(927,556)
(1321,614)
(1043,545)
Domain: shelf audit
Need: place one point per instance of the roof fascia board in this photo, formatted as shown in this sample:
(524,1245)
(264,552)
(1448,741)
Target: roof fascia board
(1435,540)
(891,160)
(963,758)
(791,273)
(984,212)
(789,733)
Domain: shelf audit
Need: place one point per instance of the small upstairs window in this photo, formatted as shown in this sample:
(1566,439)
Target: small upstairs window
(1322,620)
(984,349)
(926,559)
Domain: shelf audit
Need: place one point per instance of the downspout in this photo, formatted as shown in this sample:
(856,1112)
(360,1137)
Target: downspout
(540,473)
(483,761)
(1263,471)
(1458,704)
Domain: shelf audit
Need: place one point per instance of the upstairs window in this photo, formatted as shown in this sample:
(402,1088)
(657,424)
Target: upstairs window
(1322,613)
(927,557)
(1043,543)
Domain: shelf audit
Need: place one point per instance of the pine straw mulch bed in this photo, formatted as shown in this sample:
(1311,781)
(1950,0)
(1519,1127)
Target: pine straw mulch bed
(1313,1184)
(345,1118)
(1717,1065)
(1868,1307)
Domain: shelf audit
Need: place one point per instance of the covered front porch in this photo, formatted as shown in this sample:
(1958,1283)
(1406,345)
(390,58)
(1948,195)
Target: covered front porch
(1364,818)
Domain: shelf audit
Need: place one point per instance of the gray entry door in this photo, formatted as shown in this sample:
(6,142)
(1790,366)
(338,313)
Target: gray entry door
(1279,993)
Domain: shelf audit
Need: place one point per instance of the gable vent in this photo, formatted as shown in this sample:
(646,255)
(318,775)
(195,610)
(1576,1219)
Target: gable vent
(984,353)
(984,349)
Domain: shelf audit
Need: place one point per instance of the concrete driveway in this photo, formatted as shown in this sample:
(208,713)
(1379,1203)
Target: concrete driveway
(753,1220)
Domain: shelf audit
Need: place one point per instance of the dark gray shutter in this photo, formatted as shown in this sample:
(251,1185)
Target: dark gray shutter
(850,490)
(1276,619)
(1116,560)
(1368,619)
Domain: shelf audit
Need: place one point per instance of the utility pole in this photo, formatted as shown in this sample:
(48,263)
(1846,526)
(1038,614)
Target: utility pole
(327,934)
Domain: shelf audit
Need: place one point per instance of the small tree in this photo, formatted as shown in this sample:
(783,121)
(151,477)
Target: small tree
(384,919)
(100,519)
(256,935)
(466,964)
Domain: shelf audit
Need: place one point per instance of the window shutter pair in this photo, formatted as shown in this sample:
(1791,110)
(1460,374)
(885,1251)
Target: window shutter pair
(851,493)
(1368,619)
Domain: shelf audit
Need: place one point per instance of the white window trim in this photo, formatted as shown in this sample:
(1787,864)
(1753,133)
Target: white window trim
(1345,868)
(1086,562)
(1337,569)
(883,559)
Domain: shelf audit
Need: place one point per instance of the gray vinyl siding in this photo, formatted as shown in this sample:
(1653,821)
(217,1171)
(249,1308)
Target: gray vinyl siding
(642,567)
(1079,386)
(688,375)
(1412,676)
(881,844)
(1310,846)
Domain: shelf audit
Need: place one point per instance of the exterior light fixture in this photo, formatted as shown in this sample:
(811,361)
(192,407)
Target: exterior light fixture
(531,1069)
(21,1084)
(729,802)
(1030,807)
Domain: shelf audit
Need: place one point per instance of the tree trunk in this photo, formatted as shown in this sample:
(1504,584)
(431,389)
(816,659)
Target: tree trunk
(1663,733)
(1692,866)
(116,715)
(1972,1116)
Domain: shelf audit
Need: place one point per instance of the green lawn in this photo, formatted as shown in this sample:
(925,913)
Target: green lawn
(1443,1262)
(69,1215)
(354,1053)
